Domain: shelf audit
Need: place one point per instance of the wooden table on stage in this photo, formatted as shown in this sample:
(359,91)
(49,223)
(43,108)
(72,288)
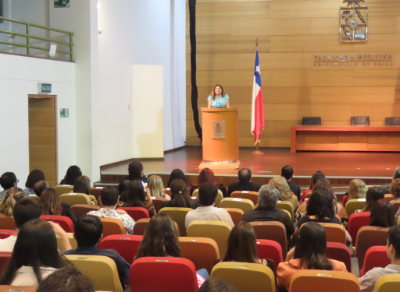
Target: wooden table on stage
(347,138)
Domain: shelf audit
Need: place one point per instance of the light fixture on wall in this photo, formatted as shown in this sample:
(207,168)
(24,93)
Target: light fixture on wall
(53,50)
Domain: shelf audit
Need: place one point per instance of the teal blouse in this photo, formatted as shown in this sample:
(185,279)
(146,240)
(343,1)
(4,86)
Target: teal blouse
(218,103)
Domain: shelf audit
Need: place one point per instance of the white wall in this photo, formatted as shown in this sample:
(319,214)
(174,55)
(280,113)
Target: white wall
(20,79)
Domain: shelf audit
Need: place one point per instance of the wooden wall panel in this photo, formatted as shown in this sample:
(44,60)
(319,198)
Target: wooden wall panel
(291,33)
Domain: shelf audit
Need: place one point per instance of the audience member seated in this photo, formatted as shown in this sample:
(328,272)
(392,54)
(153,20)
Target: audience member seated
(357,190)
(244,183)
(396,175)
(52,205)
(7,181)
(176,174)
(367,282)
(373,195)
(72,174)
(82,185)
(156,188)
(395,189)
(160,240)
(13,195)
(180,196)
(24,210)
(382,214)
(35,255)
(135,170)
(207,194)
(66,279)
(109,202)
(216,285)
(285,194)
(268,197)
(287,173)
(314,179)
(39,187)
(206,175)
(242,246)
(309,253)
(136,197)
(122,188)
(33,177)
(88,233)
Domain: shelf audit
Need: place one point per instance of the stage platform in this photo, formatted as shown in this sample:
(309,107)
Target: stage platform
(339,167)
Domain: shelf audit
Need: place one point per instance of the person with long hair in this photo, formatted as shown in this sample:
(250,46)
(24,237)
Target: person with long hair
(314,179)
(156,188)
(357,190)
(216,285)
(35,255)
(135,170)
(72,174)
(33,177)
(180,197)
(176,174)
(285,194)
(122,189)
(52,205)
(218,98)
(382,214)
(374,194)
(309,253)
(206,175)
(82,185)
(137,197)
(13,195)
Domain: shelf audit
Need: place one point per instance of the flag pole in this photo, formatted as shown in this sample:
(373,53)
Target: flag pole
(257,152)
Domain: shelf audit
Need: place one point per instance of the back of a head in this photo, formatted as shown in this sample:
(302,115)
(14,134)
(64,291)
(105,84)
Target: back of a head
(72,174)
(373,195)
(287,172)
(40,186)
(316,177)
(176,174)
(242,245)
(135,194)
(135,169)
(216,285)
(82,185)
(88,230)
(33,177)
(395,188)
(155,185)
(320,205)
(13,195)
(280,183)
(396,173)
(206,175)
(207,194)
(357,189)
(244,175)
(109,196)
(179,194)
(394,239)
(160,238)
(268,196)
(382,214)
(50,202)
(7,180)
(66,279)
(25,210)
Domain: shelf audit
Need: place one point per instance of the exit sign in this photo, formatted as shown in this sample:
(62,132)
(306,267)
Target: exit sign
(44,87)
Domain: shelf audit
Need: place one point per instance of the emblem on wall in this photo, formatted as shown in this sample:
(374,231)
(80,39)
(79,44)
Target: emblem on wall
(353,22)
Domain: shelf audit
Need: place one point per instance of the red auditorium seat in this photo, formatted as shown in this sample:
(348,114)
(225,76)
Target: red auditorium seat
(356,221)
(7,223)
(375,257)
(340,252)
(136,213)
(64,221)
(4,258)
(166,274)
(126,245)
(367,237)
(4,233)
(271,230)
(270,249)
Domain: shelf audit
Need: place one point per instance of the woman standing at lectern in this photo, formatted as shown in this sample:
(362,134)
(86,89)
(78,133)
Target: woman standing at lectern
(217,98)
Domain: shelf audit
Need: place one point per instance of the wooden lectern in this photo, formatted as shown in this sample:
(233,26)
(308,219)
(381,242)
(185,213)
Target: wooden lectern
(220,138)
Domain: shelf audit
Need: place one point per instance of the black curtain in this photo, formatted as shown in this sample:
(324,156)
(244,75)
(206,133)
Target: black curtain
(194,94)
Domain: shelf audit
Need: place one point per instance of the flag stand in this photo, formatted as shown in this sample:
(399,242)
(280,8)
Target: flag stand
(257,152)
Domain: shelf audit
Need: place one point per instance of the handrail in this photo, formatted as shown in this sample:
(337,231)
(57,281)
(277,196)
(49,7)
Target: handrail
(28,36)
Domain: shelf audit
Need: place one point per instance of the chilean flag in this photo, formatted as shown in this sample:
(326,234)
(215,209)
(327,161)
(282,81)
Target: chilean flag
(257,106)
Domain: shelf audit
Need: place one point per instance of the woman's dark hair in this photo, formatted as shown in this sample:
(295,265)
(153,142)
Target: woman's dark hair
(33,177)
(206,176)
(135,194)
(82,185)
(311,247)
(72,174)
(213,91)
(176,174)
(50,202)
(395,188)
(36,247)
(179,195)
(135,169)
(122,188)
(160,238)
(216,285)
(316,177)
(320,205)
(373,195)
(382,214)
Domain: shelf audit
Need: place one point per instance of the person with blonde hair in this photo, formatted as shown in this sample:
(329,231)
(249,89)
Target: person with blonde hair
(13,195)
(156,188)
(285,194)
(357,190)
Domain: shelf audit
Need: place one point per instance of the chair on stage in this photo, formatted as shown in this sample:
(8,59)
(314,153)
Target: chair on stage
(360,121)
(312,121)
(392,121)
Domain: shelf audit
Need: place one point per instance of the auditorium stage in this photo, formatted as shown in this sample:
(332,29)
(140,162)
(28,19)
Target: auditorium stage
(340,167)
